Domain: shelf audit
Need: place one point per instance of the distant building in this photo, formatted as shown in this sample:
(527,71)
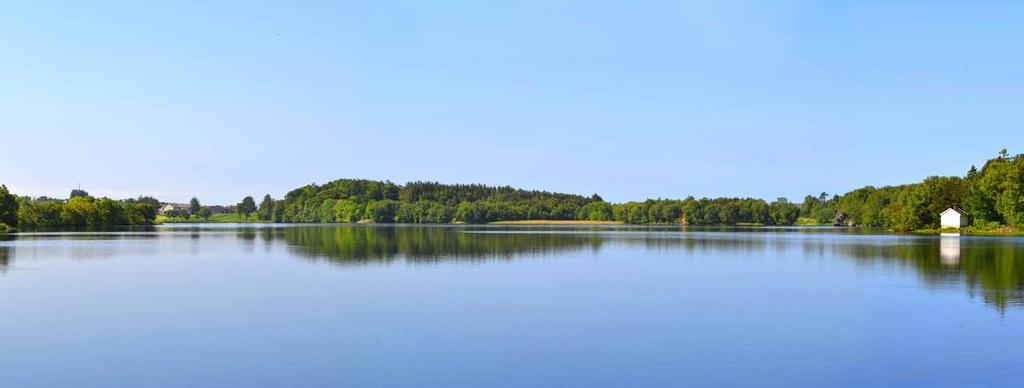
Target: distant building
(168,207)
(217,209)
(953,218)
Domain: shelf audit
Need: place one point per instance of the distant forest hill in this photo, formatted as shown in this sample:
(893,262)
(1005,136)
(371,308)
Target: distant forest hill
(993,197)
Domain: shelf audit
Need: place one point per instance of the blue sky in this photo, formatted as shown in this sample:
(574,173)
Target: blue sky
(627,99)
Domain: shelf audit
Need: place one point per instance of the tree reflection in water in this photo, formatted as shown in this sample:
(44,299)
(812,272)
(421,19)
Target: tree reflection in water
(990,267)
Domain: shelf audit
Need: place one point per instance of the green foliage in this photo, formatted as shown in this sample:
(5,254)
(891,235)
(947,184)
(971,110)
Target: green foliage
(424,212)
(194,206)
(326,213)
(205,213)
(247,207)
(704,211)
(278,211)
(817,210)
(139,213)
(471,213)
(147,200)
(108,213)
(85,211)
(919,205)
(266,209)
(595,211)
(348,211)
(997,192)
(993,195)
(41,213)
(783,212)
(382,211)
(79,211)
(424,202)
(227,217)
(8,207)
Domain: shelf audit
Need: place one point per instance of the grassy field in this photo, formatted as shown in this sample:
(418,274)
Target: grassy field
(216,218)
(556,222)
(804,221)
(1000,231)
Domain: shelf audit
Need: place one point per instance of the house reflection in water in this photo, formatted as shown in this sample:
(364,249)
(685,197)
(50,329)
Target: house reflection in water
(949,249)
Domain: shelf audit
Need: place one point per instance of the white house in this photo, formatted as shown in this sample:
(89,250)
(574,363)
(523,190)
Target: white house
(164,208)
(953,218)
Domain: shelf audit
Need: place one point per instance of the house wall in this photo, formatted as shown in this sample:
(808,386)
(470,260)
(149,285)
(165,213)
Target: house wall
(953,220)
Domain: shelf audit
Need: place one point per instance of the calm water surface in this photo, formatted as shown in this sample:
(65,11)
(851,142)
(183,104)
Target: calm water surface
(508,306)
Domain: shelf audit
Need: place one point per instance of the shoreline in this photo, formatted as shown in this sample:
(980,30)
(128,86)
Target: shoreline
(556,222)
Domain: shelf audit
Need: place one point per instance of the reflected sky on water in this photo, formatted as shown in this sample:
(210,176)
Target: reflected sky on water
(287,305)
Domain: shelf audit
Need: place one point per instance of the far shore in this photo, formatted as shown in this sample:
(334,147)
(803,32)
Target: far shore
(221,218)
(1002,231)
(555,222)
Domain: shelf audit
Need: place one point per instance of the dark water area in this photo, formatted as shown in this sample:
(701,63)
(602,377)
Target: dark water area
(338,305)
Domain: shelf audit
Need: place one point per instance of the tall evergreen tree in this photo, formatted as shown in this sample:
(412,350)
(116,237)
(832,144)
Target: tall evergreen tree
(266,210)
(194,206)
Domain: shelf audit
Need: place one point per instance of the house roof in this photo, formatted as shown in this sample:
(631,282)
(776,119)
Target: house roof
(955,209)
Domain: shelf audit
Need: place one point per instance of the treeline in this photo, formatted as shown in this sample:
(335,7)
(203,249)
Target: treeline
(81,210)
(992,197)
(705,211)
(356,200)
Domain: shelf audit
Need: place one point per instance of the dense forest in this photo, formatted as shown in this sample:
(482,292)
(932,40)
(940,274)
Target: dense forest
(350,200)
(993,197)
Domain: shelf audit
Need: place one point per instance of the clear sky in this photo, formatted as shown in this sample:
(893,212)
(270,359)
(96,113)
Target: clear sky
(627,99)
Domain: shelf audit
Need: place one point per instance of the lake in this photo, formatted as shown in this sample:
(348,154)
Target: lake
(338,305)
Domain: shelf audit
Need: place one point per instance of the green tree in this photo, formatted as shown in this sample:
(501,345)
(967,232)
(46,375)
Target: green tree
(8,207)
(595,211)
(40,213)
(326,212)
(205,213)
(149,201)
(382,211)
(194,206)
(78,211)
(783,212)
(108,213)
(247,207)
(266,209)
(279,210)
(139,213)
(471,213)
